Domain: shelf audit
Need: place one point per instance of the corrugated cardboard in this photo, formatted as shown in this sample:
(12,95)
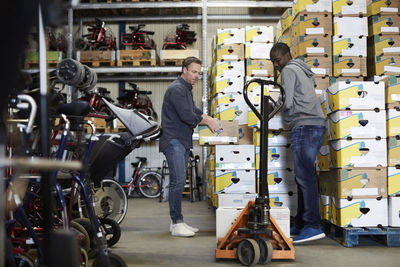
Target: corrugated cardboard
(321,66)
(388,45)
(353,46)
(312,24)
(229,52)
(260,34)
(394,151)
(228,84)
(231,36)
(259,67)
(235,181)
(382,7)
(258,50)
(312,45)
(350,26)
(393,122)
(394,211)
(349,8)
(311,6)
(229,134)
(349,66)
(384,65)
(384,24)
(234,157)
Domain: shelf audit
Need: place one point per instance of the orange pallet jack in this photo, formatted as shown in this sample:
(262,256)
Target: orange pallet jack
(255,237)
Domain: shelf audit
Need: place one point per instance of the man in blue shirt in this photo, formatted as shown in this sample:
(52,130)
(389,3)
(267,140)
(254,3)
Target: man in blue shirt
(179,116)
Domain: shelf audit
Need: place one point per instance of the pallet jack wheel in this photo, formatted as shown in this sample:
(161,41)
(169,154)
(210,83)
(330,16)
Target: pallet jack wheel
(248,252)
(266,251)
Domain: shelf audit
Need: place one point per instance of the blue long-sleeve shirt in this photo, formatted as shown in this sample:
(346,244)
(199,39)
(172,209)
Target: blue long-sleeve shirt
(179,115)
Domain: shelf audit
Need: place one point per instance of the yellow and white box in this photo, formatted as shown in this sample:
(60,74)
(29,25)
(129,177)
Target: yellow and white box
(394,211)
(324,159)
(325,182)
(360,212)
(230,112)
(348,8)
(275,138)
(393,151)
(234,157)
(234,200)
(278,157)
(349,66)
(322,83)
(358,183)
(382,6)
(392,84)
(276,123)
(358,153)
(256,87)
(225,218)
(260,34)
(258,50)
(320,66)
(288,200)
(350,26)
(311,6)
(227,98)
(350,46)
(287,19)
(235,181)
(312,45)
(384,24)
(229,134)
(385,44)
(229,52)
(356,95)
(259,67)
(310,23)
(229,68)
(384,65)
(231,36)
(325,207)
(393,181)
(228,84)
(393,122)
(281,181)
(357,124)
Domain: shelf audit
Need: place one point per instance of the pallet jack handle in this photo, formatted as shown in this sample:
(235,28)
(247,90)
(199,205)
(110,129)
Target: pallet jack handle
(267,112)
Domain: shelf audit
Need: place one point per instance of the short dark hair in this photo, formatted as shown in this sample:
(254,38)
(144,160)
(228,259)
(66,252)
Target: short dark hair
(282,48)
(189,60)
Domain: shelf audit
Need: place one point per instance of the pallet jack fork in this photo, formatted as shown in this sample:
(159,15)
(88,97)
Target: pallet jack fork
(255,237)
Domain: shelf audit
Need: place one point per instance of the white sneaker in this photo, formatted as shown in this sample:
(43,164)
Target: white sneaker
(193,229)
(179,229)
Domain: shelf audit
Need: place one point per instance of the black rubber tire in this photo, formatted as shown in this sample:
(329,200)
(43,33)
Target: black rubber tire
(115,261)
(85,242)
(84,258)
(24,260)
(149,184)
(266,251)
(111,231)
(248,252)
(85,222)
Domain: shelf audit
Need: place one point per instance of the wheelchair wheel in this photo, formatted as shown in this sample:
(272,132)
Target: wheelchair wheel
(115,261)
(111,231)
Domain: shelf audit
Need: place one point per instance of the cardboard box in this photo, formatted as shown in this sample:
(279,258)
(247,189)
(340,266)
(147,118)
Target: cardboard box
(275,138)
(228,84)
(358,153)
(259,67)
(276,123)
(321,83)
(357,124)
(229,68)
(225,218)
(382,7)
(325,207)
(229,52)
(360,212)
(287,19)
(234,157)
(384,24)
(349,66)
(260,34)
(384,65)
(359,183)
(309,23)
(281,181)
(321,66)
(394,211)
(393,151)
(235,181)
(353,46)
(312,45)
(231,36)
(234,200)
(393,181)
(256,87)
(210,162)
(229,134)
(278,157)
(325,182)
(333,80)
(385,45)
(349,8)
(258,50)
(392,88)
(227,98)
(287,37)
(245,135)
(232,112)
(311,6)
(288,200)
(278,30)
(356,95)
(324,159)
(393,122)
(350,26)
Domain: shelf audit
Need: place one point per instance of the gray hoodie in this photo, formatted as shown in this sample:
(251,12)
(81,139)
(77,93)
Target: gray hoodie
(302,107)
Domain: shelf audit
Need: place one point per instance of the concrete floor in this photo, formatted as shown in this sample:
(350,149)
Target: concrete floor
(146,241)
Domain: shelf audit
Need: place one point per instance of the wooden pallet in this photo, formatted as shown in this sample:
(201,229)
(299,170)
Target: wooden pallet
(99,63)
(349,236)
(35,64)
(171,62)
(136,62)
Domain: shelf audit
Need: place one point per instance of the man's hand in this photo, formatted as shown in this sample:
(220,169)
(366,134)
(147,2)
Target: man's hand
(212,123)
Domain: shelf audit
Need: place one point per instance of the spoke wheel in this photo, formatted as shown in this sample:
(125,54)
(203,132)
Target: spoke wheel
(266,251)
(149,184)
(248,252)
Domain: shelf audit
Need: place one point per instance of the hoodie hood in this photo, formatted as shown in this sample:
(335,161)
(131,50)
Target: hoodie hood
(306,68)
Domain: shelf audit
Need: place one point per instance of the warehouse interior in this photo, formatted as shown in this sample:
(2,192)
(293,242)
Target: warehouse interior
(75,198)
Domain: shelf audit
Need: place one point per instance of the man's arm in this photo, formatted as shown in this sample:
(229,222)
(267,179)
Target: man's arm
(288,84)
(212,123)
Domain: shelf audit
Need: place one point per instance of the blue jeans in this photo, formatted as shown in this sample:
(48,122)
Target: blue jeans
(306,141)
(177,157)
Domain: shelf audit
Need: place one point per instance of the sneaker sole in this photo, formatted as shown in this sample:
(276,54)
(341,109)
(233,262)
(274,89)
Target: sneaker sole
(183,235)
(315,237)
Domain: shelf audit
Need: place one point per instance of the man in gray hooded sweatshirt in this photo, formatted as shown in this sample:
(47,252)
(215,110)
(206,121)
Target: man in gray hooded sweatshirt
(303,114)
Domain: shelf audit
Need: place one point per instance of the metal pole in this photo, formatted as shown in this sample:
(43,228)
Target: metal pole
(70,46)
(205,89)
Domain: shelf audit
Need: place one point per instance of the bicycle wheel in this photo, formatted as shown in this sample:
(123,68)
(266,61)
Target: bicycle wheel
(149,184)
(111,200)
